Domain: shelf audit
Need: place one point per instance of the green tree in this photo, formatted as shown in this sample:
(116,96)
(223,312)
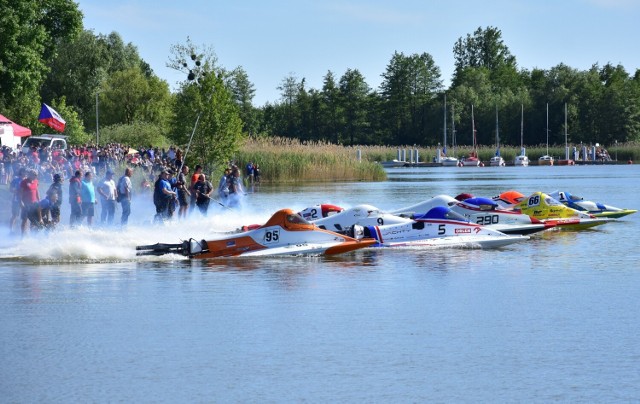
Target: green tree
(409,85)
(128,96)
(206,100)
(29,33)
(244,91)
(353,99)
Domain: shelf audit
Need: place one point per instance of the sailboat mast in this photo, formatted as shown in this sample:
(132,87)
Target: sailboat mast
(521,126)
(453,129)
(497,135)
(473,128)
(547,129)
(444,141)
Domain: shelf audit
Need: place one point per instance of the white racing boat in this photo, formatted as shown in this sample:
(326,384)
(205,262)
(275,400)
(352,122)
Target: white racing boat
(482,211)
(593,208)
(285,233)
(440,228)
(363,215)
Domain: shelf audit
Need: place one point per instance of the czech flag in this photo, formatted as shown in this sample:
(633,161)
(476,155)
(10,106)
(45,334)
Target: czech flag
(51,118)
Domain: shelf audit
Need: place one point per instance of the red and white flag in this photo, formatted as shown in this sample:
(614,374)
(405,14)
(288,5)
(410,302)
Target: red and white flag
(52,118)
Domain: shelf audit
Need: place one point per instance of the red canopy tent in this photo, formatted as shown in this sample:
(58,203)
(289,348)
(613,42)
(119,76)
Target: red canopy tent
(18,130)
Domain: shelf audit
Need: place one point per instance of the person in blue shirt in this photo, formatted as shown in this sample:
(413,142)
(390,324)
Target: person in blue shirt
(88,197)
(162,196)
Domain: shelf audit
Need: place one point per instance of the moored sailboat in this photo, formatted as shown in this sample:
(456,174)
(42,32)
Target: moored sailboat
(497,160)
(448,161)
(472,160)
(546,160)
(522,159)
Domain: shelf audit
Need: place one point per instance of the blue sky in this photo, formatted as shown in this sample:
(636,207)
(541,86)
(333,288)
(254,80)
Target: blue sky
(274,39)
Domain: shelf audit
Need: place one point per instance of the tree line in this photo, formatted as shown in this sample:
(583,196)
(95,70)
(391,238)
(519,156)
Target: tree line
(107,92)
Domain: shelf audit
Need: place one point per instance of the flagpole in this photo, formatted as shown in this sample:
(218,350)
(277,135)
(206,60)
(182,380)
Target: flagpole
(97,130)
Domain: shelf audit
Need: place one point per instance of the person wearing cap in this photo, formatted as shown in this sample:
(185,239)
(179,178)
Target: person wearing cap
(108,193)
(163,196)
(56,187)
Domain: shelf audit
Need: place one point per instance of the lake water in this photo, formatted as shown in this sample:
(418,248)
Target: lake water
(555,318)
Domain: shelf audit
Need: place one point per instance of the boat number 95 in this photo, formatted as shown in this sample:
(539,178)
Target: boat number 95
(272,236)
(534,200)
(488,219)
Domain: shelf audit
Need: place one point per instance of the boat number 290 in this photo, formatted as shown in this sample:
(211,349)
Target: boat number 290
(487,220)
(272,236)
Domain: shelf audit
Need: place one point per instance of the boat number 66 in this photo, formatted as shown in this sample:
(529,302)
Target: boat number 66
(534,200)
(272,236)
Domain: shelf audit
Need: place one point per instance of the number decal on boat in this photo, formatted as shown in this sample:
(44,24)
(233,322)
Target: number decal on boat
(488,219)
(442,230)
(534,200)
(380,221)
(271,236)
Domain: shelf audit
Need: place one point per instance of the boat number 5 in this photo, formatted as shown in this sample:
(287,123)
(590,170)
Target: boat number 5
(442,229)
(534,200)
(272,236)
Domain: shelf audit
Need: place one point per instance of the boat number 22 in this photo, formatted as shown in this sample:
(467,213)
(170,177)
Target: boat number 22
(272,236)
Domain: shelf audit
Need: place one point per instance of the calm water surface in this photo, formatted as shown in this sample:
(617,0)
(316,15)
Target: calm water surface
(552,319)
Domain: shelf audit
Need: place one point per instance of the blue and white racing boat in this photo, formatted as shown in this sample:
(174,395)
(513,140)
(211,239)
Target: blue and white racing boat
(440,227)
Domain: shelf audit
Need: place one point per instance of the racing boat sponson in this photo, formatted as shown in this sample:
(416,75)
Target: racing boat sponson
(285,233)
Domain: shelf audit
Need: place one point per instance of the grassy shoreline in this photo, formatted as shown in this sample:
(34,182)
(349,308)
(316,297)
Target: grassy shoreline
(290,160)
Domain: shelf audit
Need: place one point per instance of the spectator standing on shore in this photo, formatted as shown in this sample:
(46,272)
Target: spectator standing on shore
(56,188)
(16,200)
(30,197)
(88,197)
(203,189)
(108,193)
(124,195)
(183,192)
(75,200)
(162,197)
(194,178)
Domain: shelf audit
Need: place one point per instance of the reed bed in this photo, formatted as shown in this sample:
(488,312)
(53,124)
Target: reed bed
(290,160)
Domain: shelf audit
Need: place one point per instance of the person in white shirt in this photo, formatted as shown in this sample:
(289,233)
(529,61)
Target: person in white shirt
(108,194)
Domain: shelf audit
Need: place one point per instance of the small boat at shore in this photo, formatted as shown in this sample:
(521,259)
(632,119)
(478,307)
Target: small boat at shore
(285,233)
(546,160)
(472,160)
(497,160)
(521,160)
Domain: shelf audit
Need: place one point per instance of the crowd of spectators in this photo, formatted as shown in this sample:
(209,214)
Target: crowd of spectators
(82,166)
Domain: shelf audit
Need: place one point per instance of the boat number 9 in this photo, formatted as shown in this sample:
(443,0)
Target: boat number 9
(534,200)
(272,236)
(380,221)
(488,219)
